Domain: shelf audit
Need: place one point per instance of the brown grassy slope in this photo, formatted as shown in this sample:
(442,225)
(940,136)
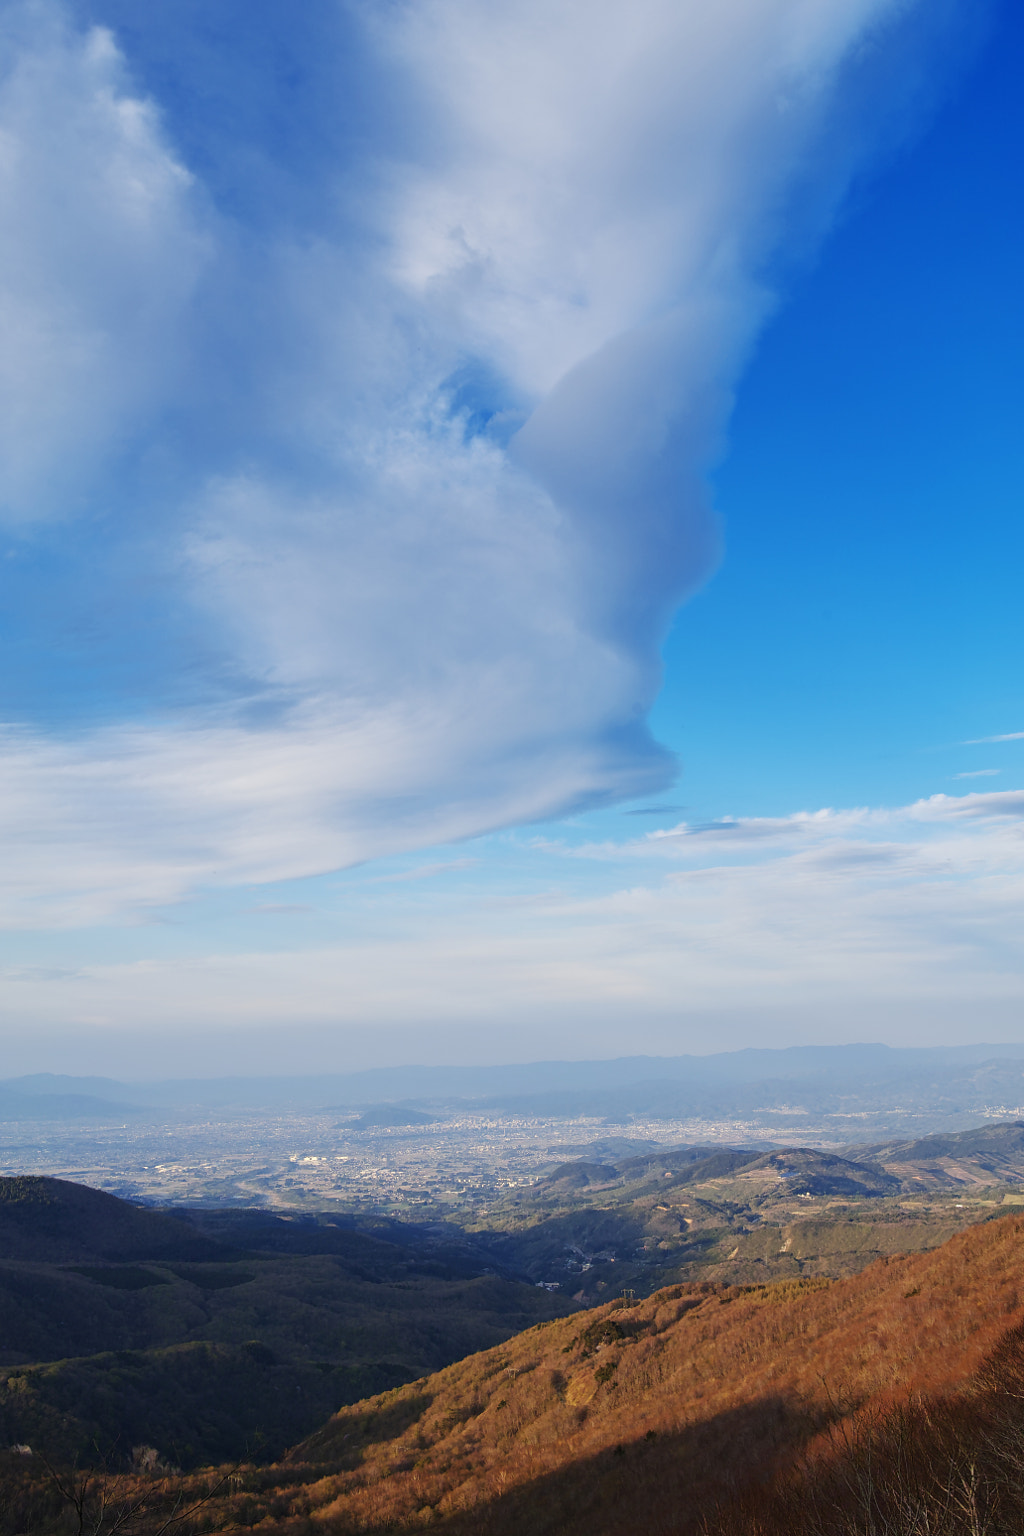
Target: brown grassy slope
(621,1420)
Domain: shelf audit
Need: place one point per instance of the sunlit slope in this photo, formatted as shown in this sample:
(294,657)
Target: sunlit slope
(624,1419)
(740,1217)
(987,1155)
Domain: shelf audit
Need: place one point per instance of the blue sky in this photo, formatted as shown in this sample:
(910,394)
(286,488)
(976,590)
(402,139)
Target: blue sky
(379,383)
(868,619)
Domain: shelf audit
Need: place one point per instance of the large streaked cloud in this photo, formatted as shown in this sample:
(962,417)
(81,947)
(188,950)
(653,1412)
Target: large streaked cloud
(404,439)
(863,923)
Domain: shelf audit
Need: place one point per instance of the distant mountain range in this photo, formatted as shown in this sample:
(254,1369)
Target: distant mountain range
(944,1082)
(65,1105)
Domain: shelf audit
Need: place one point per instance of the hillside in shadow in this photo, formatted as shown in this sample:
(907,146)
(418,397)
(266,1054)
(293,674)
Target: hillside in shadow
(222,1337)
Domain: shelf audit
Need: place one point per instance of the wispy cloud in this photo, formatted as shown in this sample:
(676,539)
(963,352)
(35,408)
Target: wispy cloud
(424,871)
(281,908)
(979,773)
(984,741)
(772,837)
(869,921)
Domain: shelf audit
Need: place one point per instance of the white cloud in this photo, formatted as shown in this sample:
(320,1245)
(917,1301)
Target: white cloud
(997,805)
(100,252)
(130,819)
(306,438)
(886,922)
(771,837)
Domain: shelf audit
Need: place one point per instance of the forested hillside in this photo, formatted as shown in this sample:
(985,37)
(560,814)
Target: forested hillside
(120,1325)
(703,1409)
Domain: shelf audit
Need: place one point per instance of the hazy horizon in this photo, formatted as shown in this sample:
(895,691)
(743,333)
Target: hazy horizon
(544,1070)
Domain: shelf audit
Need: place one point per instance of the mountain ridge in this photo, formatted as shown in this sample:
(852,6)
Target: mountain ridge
(372,1085)
(46,1220)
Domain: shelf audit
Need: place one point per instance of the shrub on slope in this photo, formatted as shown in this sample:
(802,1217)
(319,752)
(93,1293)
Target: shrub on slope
(940,1465)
